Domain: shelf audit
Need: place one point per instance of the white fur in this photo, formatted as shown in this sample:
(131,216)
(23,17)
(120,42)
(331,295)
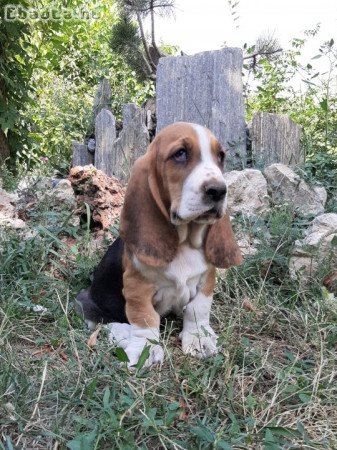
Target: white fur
(192,204)
(119,334)
(139,337)
(197,336)
(133,339)
(177,283)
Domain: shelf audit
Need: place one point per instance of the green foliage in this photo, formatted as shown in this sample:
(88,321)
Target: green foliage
(128,38)
(15,72)
(56,66)
(322,168)
(314,108)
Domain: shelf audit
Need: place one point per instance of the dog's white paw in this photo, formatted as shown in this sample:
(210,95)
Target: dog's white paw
(119,334)
(137,340)
(199,342)
(134,350)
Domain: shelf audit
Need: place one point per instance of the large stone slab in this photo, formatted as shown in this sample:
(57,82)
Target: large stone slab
(285,186)
(103,96)
(275,139)
(81,156)
(105,133)
(205,88)
(132,142)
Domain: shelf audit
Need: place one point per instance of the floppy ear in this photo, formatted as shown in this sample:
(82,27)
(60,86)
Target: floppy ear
(145,226)
(221,248)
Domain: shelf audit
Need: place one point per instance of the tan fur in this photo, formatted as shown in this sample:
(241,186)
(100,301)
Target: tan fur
(221,248)
(208,287)
(139,294)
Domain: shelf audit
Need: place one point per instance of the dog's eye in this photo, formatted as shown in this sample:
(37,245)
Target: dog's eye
(221,157)
(180,156)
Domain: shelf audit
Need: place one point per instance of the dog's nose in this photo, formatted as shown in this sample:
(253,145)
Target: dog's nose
(216,192)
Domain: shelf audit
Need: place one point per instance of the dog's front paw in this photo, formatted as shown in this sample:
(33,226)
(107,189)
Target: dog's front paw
(139,338)
(134,351)
(199,342)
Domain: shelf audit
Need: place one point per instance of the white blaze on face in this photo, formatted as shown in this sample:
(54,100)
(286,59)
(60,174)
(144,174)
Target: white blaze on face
(193,202)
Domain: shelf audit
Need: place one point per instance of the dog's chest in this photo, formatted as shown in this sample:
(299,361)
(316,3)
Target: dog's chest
(178,283)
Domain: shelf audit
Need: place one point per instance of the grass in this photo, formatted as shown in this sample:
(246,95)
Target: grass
(273,385)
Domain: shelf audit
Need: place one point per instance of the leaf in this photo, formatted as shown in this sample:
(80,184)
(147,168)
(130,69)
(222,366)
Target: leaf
(224,445)
(284,431)
(143,357)
(43,350)
(203,433)
(324,104)
(248,305)
(309,82)
(106,398)
(121,355)
(316,57)
(334,241)
(305,398)
(63,356)
(83,441)
(92,341)
(184,413)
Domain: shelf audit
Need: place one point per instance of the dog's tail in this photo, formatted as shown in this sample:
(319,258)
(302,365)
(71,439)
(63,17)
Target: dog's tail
(86,308)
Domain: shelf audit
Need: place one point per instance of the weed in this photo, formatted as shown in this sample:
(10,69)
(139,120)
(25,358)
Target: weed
(272,386)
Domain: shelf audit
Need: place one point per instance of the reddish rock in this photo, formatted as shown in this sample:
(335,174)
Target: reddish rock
(104,194)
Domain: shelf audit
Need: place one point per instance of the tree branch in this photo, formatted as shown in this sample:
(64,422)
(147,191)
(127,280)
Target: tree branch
(254,55)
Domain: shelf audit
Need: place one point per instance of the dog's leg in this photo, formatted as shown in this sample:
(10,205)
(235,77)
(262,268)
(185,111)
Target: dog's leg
(144,320)
(197,336)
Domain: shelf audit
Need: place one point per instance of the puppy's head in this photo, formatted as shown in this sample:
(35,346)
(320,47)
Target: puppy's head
(189,166)
(179,180)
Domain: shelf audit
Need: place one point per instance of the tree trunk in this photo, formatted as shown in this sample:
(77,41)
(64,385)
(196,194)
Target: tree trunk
(4,147)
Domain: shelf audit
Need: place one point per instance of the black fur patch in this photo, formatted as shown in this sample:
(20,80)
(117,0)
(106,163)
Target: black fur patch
(103,301)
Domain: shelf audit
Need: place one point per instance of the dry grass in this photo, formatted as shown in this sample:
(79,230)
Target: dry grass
(273,386)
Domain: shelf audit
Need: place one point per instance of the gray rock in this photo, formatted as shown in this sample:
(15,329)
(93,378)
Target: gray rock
(132,142)
(318,249)
(81,156)
(275,139)
(105,132)
(103,96)
(8,213)
(247,192)
(64,194)
(205,88)
(285,186)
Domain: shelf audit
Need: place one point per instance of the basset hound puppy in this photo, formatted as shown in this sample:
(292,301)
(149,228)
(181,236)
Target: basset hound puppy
(174,232)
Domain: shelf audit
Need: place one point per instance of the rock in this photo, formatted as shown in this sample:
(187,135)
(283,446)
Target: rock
(81,155)
(285,186)
(318,249)
(34,185)
(322,193)
(205,88)
(132,142)
(247,192)
(8,214)
(248,244)
(64,194)
(103,194)
(105,132)
(275,138)
(103,96)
